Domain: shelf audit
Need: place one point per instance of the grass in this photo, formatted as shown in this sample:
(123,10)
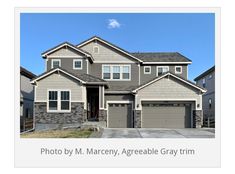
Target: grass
(58,134)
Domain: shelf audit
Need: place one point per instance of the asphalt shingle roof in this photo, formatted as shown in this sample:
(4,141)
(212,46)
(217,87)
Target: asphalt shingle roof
(161,57)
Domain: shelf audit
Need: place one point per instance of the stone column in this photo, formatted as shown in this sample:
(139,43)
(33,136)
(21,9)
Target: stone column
(137,118)
(197,118)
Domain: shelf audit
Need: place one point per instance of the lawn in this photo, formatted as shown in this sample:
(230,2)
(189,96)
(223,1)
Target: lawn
(75,133)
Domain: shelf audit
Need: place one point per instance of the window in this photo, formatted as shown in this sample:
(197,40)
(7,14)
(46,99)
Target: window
(178,69)
(106,72)
(59,101)
(77,64)
(55,63)
(204,82)
(116,72)
(53,100)
(210,76)
(210,103)
(96,49)
(147,70)
(126,72)
(64,97)
(162,69)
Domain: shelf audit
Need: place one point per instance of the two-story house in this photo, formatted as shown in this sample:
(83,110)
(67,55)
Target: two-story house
(207,81)
(99,81)
(26,97)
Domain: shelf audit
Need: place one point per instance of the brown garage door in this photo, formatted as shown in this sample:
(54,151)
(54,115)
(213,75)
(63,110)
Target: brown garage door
(119,115)
(166,115)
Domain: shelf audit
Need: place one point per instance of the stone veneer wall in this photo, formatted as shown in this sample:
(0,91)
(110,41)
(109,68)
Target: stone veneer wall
(102,115)
(197,118)
(77,114)
(137,118)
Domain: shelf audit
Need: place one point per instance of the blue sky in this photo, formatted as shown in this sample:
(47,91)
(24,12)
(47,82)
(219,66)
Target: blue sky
(191,34)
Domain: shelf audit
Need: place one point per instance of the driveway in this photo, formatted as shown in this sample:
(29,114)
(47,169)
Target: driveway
(157,133)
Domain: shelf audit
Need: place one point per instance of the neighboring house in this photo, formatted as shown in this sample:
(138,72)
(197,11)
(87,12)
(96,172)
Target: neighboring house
(207,80)
(98,81)
(26,97)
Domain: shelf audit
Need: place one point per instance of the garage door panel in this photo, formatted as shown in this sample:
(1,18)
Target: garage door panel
(119,115)
(163,116)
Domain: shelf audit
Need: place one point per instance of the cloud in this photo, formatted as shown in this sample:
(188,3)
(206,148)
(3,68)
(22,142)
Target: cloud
(113,23)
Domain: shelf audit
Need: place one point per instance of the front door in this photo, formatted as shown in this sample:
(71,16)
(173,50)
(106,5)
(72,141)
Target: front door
(92,104)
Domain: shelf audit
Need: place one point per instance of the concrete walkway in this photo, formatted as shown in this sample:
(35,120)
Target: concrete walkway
(157,133)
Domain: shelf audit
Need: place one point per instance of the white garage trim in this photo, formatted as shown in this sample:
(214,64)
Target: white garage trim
(157,100)
(118,102)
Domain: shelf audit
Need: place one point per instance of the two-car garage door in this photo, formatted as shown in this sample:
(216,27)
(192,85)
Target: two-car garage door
(166,115)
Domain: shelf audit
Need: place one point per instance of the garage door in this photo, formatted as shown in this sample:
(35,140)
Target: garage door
(162,115)
(119,115)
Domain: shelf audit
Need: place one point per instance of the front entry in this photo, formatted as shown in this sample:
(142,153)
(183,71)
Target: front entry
(92,104)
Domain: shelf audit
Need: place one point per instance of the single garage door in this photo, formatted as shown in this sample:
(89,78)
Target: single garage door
(119,115)
(166,115)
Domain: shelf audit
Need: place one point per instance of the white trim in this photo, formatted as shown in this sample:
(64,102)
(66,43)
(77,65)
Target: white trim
(166,63)
(119,102)
(139,73)
(121,71)
(53,60)
(149,69)
(96,46)
(169,99)
(35,92)
(87,67)
(65,44)
(181,69)
(187,71)
(118,92)
(60,56)
(161,67)
(167,74)
(46,60)
(112,61)
(57,69)
(95,38)
(74,60)
(59,101)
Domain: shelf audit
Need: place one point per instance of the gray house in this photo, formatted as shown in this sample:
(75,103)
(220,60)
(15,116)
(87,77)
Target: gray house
(99,81)
(26,97)
(207,80)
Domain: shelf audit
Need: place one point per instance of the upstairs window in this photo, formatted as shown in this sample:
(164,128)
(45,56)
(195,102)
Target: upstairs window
(106,72)
(126,72)
(147,70)
(77,64)
(116,72)
(96,49)
(204,82)
(162,69)
(210,103)
(178,70)
(55,63)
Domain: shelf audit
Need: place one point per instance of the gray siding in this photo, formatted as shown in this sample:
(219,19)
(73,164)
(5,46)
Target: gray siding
(166,89)
(55,81)
(26,88)
(210,83)
(65,52)
(147,77)
(96,70)
(106,53)
(67,64)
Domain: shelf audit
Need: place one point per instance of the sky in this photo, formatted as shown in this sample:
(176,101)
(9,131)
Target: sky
(191,34)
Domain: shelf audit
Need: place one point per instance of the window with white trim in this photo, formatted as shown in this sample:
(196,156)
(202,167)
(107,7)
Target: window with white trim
(178,69)
(162,69)
(106,72)
(55,63)
(147,70)
(116,72)
(59,100)
(77,64)
(204,82)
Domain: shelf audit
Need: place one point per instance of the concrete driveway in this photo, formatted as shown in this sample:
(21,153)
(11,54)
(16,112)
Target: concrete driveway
(157,133)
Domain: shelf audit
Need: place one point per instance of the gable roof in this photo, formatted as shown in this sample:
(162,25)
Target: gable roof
(66,44)
(109,44)
(26,73)
(162,57)
(172,75)
(83,78)
(205,73)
